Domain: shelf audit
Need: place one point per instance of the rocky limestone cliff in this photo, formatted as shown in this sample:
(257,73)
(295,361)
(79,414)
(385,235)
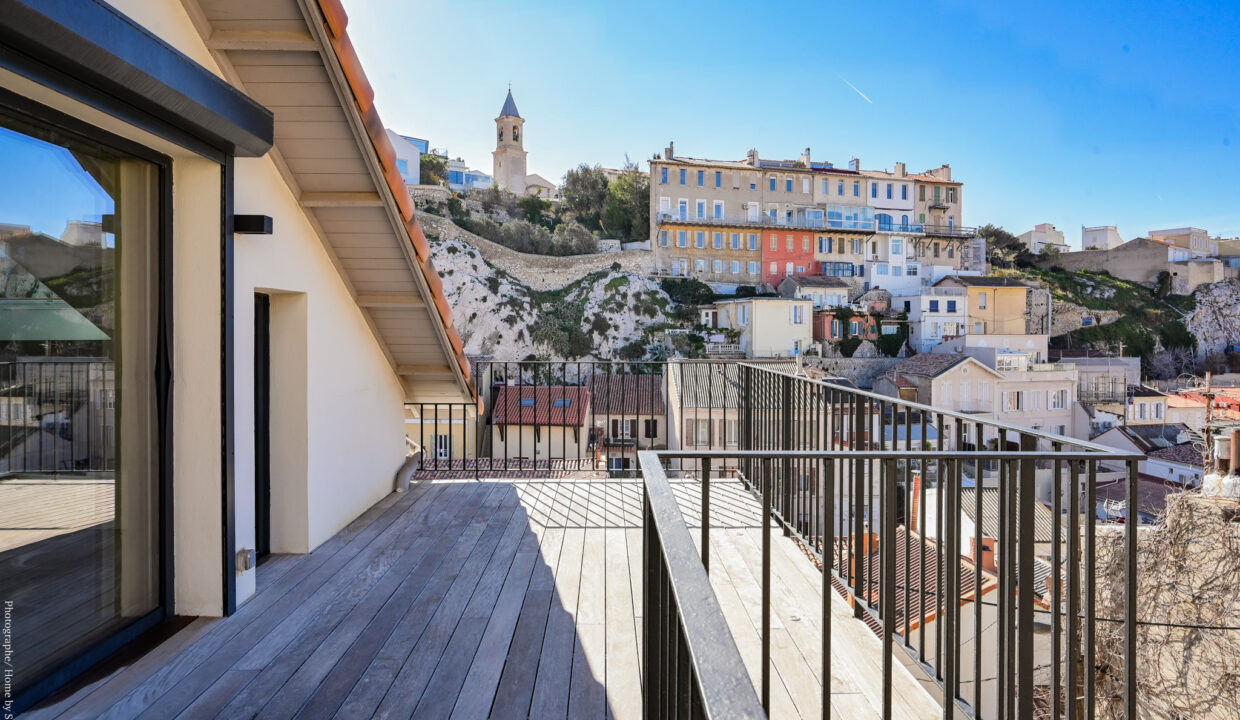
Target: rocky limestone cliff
(582,311)
(1216,320)
(537,272)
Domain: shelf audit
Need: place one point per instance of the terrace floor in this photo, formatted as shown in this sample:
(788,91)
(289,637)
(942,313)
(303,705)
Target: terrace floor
(504,599)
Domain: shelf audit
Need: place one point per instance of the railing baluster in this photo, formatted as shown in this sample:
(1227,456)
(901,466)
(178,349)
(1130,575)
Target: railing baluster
(1025,593)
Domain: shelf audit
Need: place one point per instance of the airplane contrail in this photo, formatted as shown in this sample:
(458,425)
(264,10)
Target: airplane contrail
(854,87)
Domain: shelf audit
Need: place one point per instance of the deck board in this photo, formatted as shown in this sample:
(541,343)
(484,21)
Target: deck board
(508,599)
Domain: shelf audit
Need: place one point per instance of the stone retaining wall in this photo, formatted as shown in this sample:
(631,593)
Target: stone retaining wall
(539,272)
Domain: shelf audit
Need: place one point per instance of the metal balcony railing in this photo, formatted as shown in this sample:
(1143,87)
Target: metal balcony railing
(841,471)
(767,222)
(57,416)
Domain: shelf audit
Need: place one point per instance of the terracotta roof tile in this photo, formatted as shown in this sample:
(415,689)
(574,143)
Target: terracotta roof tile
(541,405)
(337,20)
(630,395)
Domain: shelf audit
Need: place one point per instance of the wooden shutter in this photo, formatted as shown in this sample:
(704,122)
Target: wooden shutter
(633,429)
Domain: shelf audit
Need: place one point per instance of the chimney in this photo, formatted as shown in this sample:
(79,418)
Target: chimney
(805,157)
(669,150)
(751,157)
(916,501)
(987,560)
(900,170)
(945,172)
(854,165)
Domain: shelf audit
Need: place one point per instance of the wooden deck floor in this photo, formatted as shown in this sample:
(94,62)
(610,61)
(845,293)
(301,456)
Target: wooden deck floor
(504,599)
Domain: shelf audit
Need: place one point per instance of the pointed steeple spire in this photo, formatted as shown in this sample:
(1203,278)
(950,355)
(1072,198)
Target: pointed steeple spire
(510,107)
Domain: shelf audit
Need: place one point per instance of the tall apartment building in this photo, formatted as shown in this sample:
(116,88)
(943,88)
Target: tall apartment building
(757,221)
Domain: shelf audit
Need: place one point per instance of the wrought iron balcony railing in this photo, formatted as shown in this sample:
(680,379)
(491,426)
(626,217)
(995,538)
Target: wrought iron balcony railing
(967,583)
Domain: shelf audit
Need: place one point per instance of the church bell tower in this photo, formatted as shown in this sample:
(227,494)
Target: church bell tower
(508,168)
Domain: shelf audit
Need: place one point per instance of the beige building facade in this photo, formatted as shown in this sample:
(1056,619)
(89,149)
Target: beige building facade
(769,327)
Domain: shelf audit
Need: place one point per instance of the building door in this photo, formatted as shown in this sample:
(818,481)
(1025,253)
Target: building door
(753,212)
(262,425)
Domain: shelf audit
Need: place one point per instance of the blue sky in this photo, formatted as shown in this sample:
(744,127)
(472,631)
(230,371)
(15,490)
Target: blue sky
(1104,113)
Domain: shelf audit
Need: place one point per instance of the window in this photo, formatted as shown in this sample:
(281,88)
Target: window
(805,243)
(774,242)
(838,269)
(946,394)
(934,306)
(824,244)
(805,185)
(753,268)
(753,241)
(527,402)
(107,204)
(717,266)
(839,189)
(912,269)
(701,434)
(1158,411)
(682,176)
(856,246)
(856,188)
(951,251)
(662,176)
(701,175)
(772,183)
(772,269)
(880,269)
(951,194)
(897,269)
(736,267)
(787,184)
(718,238)
(1013,401)
(904,195)
(787,268)
(921,193)
(742,315)
(788,242)
(897,246)
(908,306)
(835,328)
(951,306)
(888,191)
(1059,400)
(798,315)
(977,328)
(731,431)
(853,328)
(699,265)
(718,179)
(884,221)
(718,209)
(650,428)
(981,301)
(1141,410)
(683,208)
(736,241)
(873,190)
(826,187)
(681,241)
(701,209)
(663,238)
(562,403)
(699,239)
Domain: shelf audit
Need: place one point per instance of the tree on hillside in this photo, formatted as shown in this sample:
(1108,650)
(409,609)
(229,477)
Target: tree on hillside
(433,169)
(571,238)
(535,210)
(585,195)
(626,214)
(1005,249)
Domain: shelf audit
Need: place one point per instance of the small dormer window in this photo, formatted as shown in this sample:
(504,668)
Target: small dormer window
(527,402)
(562,402)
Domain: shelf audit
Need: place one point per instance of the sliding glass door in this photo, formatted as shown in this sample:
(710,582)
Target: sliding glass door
(80,495)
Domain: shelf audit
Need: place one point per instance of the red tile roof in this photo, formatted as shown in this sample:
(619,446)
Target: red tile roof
(630,395)
(336,20)
(541,405)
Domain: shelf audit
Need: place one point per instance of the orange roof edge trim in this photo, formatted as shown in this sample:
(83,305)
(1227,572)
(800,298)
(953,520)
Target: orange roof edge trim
(333,12)
(420,245)
(463,362)
(363,93)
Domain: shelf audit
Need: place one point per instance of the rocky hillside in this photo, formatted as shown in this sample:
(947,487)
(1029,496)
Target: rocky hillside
(606,313)
(1216,320)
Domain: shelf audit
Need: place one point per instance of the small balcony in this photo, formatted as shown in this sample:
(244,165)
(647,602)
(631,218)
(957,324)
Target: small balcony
(765,221)
(950,231)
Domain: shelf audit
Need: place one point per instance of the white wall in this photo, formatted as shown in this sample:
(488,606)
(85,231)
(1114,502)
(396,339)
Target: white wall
(337,454)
